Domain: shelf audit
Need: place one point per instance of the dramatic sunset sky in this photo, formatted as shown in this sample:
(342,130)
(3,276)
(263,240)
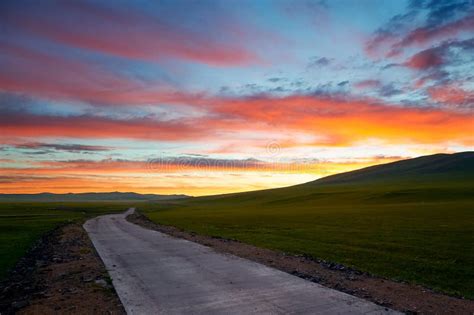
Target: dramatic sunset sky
(204,97)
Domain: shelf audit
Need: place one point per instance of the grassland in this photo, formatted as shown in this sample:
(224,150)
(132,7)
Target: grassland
(419,230)
(22,223)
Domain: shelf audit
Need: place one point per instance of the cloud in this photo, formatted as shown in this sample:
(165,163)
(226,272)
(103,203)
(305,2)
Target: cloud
(424,35)
(441,20)
(389,90)
(86,126)
(317,62)
(433,38)
(156,165)
(438,77)
(182,163)
(341,120)
(370,83)
(131,32)
(452,95)
(440,12)
(275,79)
(58,77)
(383,90)
(331,120)
(21,179)
(447,53)
(64,147)
(425,59)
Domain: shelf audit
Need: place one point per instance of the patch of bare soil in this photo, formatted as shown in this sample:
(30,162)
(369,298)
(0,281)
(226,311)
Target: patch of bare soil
(408,298)
(62,274)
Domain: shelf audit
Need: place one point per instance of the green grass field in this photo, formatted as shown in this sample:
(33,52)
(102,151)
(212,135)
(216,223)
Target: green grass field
(419,230)
(22,223)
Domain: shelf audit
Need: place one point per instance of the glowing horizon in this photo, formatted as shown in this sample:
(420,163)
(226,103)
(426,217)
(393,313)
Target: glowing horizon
(213,97)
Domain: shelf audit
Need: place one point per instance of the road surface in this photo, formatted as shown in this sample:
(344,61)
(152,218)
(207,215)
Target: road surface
(154,273)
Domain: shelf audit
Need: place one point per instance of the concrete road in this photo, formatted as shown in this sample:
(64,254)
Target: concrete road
(154,273)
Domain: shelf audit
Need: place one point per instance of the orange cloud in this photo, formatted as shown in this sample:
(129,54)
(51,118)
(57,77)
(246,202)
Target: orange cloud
(329,121)
(156,166)
(349,120)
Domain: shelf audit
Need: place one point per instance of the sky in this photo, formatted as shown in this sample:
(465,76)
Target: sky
(207,97)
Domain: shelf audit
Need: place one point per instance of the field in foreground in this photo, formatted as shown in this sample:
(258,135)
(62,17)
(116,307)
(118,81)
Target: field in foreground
(412,221)
(22,223)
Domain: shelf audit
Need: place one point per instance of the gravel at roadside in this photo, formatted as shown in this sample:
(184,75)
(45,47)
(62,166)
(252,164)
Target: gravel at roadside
(61,274)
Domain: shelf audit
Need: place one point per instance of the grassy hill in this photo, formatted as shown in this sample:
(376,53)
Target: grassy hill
(437,166)
(411,220)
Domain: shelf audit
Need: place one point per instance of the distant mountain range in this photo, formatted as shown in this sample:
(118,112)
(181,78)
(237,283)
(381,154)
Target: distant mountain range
(109,196)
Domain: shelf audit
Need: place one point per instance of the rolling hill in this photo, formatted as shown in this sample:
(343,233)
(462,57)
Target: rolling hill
(457,165)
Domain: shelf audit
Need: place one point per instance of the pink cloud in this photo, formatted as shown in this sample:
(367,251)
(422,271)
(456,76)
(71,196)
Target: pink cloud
(424,60)
(37,126)
(451,95)
(135,35)
(51,76)
(380,40)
